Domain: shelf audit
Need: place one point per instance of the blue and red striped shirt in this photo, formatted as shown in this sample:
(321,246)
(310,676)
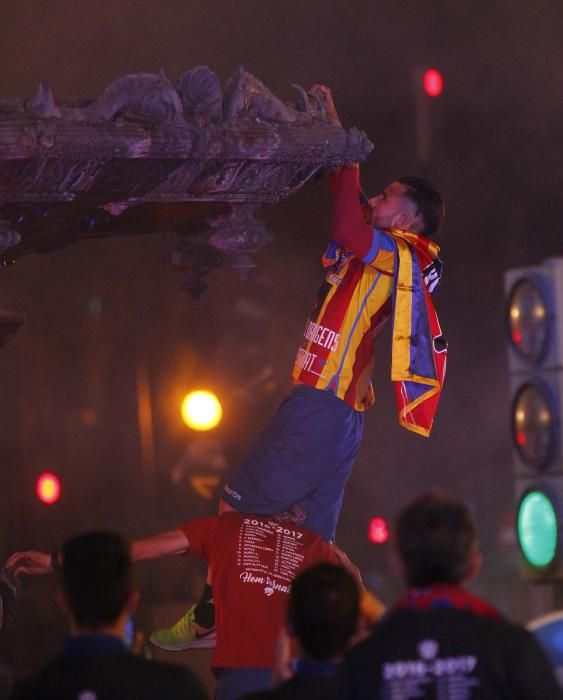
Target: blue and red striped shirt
(355,301)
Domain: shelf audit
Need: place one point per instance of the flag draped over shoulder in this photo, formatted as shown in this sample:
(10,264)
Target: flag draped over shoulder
(418,355)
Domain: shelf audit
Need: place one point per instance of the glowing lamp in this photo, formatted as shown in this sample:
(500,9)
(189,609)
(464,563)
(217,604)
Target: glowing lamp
(537,529)
(48,488)
(432,82)
(201,410)
(378,531)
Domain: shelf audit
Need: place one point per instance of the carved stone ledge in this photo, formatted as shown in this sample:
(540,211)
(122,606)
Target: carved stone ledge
(240,236)
(150,156)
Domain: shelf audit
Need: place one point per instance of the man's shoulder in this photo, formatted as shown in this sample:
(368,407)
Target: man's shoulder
(119,675)
(494,634)
(485,618)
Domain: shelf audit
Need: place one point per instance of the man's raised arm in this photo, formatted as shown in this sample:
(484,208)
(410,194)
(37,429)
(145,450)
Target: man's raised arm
(163,545)
(349,225)
(33,563)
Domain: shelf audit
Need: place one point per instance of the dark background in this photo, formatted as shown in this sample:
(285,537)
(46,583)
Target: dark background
(102,314)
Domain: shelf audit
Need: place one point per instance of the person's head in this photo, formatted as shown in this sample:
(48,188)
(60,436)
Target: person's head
(410,204)
(437,540)
(96,580)
(323,610)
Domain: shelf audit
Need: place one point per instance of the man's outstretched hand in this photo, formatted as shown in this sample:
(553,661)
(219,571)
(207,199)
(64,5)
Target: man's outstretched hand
(29,562)
(324,95)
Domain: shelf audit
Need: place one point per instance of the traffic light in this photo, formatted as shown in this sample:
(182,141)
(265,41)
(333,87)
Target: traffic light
(534,326)
(432,82)
(378,530)
(428,86)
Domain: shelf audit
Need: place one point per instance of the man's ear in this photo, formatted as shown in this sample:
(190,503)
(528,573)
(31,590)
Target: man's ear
(63,602)
(407,221)
(417,224)
(402,220)
(475,565)
(132,602)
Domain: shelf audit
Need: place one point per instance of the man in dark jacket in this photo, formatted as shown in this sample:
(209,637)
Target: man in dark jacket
(96,664)
(440,641)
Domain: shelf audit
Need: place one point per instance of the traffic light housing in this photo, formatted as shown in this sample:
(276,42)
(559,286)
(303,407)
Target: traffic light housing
(534,320)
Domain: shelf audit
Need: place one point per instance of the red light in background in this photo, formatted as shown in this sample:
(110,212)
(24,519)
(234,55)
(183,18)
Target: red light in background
(89,417)
(378,530)
(48,488)
(521,439)
(516,337)
(432,82)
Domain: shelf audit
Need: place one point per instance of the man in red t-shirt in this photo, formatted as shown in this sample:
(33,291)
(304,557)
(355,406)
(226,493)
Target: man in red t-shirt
(253,559)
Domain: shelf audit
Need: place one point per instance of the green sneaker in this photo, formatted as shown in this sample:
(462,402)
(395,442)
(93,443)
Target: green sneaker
(184,635)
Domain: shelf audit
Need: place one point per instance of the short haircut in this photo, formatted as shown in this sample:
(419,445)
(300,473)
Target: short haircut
(429,203)
(96,576)
(436,538)
(323,609)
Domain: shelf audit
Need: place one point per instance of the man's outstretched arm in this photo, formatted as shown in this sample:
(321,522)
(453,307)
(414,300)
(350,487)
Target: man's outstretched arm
(163,545)
(33,563)
(29,562)
(349,225)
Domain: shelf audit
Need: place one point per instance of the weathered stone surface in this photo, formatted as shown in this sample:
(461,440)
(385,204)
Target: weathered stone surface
(147,156)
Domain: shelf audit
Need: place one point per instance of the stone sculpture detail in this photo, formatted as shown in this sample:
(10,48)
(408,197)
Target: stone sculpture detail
(150,156)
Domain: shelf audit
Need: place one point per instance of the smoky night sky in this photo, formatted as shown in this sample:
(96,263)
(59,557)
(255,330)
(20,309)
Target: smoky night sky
(99,310)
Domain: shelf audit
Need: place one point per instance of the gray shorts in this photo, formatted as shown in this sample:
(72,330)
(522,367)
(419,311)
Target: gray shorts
(304,456)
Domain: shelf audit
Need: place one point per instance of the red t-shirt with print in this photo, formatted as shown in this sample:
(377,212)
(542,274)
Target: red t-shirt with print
(253,560)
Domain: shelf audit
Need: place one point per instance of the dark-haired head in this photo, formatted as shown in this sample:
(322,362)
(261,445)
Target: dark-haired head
(323,610)
(96,578)
(437,540)
(430,209)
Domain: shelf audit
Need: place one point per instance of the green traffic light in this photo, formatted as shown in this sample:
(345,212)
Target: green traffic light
(536,525)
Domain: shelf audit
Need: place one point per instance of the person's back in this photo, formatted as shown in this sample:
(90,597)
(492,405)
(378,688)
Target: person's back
(441,642)
(96,663)
(447,652)
(109,676)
